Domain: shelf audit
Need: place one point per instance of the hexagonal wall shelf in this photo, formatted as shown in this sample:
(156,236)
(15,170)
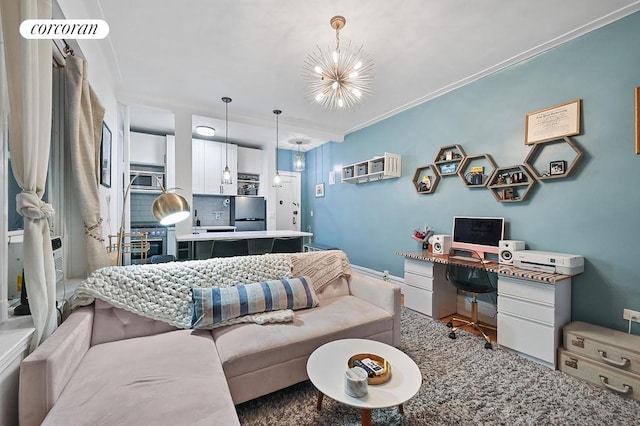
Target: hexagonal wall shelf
(561,169)
(448,160)
(506,182)
(476,179)
(425,179)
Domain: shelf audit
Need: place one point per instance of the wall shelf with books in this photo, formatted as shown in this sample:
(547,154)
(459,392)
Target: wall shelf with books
(448,160)
(425,179)
(511,184)
(475,170)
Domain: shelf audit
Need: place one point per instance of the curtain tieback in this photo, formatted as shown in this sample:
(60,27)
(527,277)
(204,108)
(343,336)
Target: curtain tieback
(31,206)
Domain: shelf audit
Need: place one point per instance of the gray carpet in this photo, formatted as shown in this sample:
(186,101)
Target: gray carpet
(463,384)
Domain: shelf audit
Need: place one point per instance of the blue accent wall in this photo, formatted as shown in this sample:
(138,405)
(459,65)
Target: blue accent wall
(594,212)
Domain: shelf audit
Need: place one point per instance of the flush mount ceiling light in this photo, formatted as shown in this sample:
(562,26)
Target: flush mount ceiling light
(205,131)
(298,158)
(340,78)
(226,173)
(277,180)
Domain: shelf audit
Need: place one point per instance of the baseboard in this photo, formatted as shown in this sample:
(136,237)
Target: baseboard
(379,275)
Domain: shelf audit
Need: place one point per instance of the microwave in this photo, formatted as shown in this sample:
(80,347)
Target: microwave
(146,180)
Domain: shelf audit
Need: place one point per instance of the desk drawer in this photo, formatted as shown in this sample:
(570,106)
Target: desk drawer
(530,338)
(419,281)
(528,290)
(528,310)
(417,299)
(418,267)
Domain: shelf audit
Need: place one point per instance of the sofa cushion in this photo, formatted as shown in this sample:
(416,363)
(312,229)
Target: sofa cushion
(214,305)
(111,323)
(166,379)
(249,347)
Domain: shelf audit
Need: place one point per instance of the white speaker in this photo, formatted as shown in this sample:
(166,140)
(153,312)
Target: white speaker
(441,244)
(506,249)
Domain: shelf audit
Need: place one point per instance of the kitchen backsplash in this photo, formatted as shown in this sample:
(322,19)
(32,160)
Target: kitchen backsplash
(141,207)
(213,210)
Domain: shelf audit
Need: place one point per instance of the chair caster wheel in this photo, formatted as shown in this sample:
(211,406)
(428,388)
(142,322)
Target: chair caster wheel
(488,345)
(452,335)
(450,324)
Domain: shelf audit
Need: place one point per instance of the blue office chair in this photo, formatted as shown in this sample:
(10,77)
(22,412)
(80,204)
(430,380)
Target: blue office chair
(472,277)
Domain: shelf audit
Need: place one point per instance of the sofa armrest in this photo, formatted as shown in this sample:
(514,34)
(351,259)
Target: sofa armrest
(46,371)
(379,293)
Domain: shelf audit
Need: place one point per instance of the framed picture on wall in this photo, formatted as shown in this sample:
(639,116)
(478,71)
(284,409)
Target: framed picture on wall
(557,167)
(553,123)
(320,190)
(105,156)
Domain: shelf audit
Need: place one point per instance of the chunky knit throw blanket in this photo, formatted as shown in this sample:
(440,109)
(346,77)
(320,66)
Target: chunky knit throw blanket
(321,267)
(163,291)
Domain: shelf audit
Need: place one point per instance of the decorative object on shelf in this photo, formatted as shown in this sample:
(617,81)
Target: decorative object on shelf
(379,366)
(105,156)
(168,208)
(206,131)
(422,236)
(553,123)
(320,190)
(448,169)
(637,120)
(378,168)
(557,167)
(277,180)
(338,78)
(569,166)
(298,158)
(226,173)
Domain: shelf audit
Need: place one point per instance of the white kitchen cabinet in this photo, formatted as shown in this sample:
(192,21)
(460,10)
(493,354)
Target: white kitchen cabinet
(208,160)
(426,290)
(531,316)
(197,167)
(147,149)
(249,160)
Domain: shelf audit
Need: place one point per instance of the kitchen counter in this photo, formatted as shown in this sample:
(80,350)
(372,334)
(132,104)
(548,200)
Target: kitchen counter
(201,245)
(214,228)
(244,235)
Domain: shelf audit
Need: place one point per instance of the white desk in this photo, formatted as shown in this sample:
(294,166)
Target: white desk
(533,306)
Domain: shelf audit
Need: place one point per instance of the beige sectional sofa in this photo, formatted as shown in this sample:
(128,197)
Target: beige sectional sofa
(105,365)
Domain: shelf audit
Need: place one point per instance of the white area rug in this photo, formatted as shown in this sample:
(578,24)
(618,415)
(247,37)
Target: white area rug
(463,384)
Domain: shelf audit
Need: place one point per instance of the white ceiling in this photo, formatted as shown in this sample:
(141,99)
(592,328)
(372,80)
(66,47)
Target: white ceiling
(186,55)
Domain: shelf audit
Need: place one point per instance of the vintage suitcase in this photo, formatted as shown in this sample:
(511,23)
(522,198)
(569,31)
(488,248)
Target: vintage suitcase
(607,358)
(611,347)
(614,379)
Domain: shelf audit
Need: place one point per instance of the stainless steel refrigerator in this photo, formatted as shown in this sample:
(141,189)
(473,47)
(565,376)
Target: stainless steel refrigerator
(249,213)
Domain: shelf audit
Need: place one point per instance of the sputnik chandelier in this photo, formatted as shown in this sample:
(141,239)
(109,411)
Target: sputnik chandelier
(339,78)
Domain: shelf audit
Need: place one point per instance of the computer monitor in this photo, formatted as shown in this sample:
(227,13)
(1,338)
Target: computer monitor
(481,234)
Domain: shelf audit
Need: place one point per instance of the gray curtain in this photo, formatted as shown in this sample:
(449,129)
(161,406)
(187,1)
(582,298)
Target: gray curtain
(84,115)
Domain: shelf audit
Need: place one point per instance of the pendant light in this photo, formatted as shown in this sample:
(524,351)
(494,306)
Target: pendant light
(226,173)
(277,180)
(298,159)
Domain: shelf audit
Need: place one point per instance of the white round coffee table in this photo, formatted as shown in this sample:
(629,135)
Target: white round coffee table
(327,364)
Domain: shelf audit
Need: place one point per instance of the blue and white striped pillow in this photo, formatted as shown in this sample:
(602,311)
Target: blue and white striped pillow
(213,305)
